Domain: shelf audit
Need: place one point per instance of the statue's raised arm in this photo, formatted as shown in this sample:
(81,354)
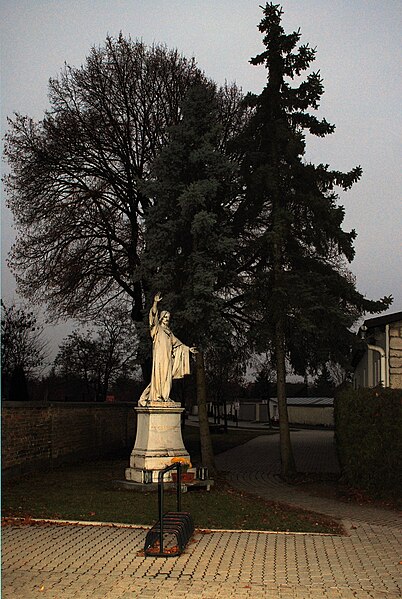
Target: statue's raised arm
(154,314)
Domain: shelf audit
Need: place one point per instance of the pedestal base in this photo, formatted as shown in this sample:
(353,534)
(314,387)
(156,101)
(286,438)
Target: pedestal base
(158,440)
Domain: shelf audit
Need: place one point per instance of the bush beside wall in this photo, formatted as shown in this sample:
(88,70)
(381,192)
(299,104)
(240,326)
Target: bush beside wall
(368,426)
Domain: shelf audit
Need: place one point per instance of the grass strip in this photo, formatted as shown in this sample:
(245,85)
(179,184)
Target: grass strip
(85,492)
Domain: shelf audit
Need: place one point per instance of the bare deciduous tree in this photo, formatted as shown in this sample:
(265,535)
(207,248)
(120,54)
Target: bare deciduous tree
(23,349)
(99,357)
(75,182)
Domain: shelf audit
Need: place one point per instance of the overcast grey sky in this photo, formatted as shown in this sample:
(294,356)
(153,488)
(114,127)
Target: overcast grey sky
(358,54)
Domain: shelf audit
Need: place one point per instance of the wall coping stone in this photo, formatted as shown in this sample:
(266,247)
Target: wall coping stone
(66,404)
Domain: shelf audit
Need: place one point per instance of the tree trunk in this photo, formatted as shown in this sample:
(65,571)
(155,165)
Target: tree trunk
(207,454)
(306,383)
(288,467)
(225,414)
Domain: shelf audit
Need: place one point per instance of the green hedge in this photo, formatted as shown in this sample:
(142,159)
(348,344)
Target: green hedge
(368,433)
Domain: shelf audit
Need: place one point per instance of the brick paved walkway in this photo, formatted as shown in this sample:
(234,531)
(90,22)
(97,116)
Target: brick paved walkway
(82,562)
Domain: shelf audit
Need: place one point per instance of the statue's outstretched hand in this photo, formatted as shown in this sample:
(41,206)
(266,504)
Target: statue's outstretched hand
(157,297)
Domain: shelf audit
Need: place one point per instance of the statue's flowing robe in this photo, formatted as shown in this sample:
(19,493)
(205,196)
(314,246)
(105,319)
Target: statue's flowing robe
(170,360)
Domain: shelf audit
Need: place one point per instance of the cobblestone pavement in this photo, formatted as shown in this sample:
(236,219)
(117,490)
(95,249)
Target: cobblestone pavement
(66,562)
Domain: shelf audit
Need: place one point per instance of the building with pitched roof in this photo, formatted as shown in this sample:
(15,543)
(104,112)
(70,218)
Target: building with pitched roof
(379,360)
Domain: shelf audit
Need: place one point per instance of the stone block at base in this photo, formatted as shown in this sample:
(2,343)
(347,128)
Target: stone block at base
(171,486)
(158,440)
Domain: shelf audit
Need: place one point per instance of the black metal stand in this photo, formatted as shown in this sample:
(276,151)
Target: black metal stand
(177,524)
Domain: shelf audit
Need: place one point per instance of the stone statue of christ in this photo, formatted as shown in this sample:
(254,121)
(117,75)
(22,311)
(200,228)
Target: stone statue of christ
(170,357)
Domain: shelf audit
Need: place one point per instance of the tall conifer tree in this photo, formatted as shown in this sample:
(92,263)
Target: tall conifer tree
(189,241)
(304,301)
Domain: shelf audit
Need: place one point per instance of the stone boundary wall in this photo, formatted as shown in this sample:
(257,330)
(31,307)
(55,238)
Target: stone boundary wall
(36,435)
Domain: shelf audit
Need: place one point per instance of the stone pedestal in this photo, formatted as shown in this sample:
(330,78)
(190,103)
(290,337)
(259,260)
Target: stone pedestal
(158,440)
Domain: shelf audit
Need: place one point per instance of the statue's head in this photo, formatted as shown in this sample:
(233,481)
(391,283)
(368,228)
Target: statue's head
(164,318)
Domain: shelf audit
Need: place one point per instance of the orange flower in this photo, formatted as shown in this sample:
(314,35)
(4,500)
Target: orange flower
(183,461)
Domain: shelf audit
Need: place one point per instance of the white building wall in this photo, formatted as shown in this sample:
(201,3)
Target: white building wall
(316,416)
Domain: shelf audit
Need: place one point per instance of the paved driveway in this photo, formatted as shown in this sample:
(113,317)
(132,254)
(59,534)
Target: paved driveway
(255,467)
